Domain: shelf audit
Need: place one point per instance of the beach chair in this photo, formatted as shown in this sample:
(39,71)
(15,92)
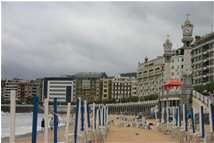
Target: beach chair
(175,132)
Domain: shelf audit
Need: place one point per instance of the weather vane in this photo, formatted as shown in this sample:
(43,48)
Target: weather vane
(187,15)
(167,36)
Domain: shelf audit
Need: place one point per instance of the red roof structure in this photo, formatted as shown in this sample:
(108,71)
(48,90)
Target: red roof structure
(172,83)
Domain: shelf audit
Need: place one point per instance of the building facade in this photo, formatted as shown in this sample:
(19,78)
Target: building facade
(7,85)
(23,89)
(203,59)
(36,88)
(56,87)
(150,76)
(121,87)
(106,88)
(89,85)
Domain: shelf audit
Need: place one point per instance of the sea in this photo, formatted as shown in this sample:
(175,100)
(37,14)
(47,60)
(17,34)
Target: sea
(24,122)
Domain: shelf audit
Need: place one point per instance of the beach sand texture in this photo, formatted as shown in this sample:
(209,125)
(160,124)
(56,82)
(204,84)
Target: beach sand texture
(116,134)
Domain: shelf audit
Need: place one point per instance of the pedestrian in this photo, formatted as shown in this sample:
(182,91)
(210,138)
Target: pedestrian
(57,121)
(51,123)
(43,123)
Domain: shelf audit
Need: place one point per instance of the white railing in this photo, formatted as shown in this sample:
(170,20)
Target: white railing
(201,97)
(134,103)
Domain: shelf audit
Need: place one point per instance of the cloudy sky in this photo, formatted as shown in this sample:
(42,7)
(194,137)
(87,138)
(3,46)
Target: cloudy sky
(42,39)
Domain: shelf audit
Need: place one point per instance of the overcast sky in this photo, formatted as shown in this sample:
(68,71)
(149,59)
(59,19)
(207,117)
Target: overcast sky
(41,39)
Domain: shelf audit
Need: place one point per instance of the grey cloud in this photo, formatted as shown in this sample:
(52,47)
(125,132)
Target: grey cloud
(54,38)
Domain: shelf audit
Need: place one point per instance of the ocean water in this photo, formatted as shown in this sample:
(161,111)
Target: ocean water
(24,123)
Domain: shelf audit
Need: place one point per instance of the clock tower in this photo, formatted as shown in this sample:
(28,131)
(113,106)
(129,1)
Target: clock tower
(187,29)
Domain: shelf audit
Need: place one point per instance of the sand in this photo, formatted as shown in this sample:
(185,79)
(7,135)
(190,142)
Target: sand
(116,134)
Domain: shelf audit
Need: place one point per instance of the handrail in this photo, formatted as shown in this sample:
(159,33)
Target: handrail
(201,97)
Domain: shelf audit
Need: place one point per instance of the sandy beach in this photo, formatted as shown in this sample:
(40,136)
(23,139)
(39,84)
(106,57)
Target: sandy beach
(116,134)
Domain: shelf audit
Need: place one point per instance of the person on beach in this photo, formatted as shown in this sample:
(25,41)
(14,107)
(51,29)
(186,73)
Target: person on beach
(43,123)
(51,123)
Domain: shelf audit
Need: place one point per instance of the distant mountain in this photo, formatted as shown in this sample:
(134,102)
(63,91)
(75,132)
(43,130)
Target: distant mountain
(133,74)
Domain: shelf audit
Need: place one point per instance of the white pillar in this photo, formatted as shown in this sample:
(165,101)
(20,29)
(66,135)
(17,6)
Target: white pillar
(93,116)
(101,115)
(97,119)
(107,115)
(184,112)
(179,116)
(85,116)
(79,117)
(163,115)
(46,120)
(67,122)
(173,115)
(12,115)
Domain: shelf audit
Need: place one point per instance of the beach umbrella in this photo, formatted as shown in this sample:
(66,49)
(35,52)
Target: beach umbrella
(165,118)
(179,113)
(82,115)
(76,120)
(168,115)
(103,115)
(193,121)
(55,120)
(35,115)
(201,119)
(211,115)
(88,114)
(176,117)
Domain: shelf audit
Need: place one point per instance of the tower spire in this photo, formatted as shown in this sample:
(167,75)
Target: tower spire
(167,36)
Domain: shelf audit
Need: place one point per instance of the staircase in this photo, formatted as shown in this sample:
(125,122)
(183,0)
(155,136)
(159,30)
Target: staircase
(199,99)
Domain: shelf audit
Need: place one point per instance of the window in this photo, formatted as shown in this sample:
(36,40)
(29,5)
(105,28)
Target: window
(172,73)
(182,66)
(182,59)
(172,67)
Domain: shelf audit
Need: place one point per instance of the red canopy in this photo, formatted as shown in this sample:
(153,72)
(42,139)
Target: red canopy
(172,83)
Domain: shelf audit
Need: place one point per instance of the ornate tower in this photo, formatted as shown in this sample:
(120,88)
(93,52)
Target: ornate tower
(167,56)
(187,39)
(167,49)
(187,29)
(186,88)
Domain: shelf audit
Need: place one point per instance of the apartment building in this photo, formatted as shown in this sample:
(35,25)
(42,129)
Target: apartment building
(7,85)
(89,85)
(121,87)
(203,59)
(150,76)
(36,88)
(57,87)
(106,88)
(23,89)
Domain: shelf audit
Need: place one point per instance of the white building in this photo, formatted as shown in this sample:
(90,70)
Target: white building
(121,87)
(7,85)
(150,76)
(56,87)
